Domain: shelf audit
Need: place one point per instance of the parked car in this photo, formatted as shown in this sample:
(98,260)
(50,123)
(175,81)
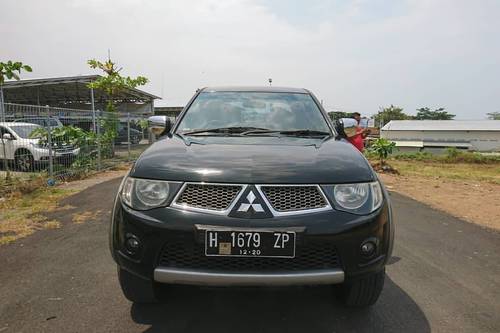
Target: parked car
(122,137)
(26,152)
(251,187)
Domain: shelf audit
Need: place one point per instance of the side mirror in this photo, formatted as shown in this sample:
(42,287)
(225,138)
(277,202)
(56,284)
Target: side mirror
(7,136)
(346,127)
(159,125)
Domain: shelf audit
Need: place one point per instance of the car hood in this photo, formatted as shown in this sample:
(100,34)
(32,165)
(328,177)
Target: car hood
(253,160)
(29,141)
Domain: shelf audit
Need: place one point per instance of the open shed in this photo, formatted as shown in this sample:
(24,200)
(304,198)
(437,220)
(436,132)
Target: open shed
(436,135)
(73,92)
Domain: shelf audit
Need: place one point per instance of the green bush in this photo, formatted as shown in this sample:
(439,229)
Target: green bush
(382,148)
(452,155)
(473,157)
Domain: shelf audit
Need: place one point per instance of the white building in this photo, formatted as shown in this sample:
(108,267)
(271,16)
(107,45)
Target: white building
(436,135)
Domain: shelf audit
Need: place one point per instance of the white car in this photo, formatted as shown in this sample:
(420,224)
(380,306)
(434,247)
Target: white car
(16,145)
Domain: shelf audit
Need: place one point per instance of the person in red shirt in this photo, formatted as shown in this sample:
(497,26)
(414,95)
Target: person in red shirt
(357,140)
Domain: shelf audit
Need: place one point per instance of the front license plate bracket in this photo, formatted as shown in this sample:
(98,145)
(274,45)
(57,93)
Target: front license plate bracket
(250,243)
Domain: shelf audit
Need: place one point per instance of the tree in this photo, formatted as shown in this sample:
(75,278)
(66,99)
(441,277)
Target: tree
(112,84)
(387,114)
(334,115)
(9,70)
(143,125)
(494,115)
(437,114)
(382,148)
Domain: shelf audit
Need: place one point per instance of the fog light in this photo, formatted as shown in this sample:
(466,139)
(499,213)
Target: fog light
(132,244)
(368,248)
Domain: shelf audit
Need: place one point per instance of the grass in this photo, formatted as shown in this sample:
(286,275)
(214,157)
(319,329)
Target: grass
(21,214)
(454,164)
(452,155)
(23,184)
(85,216)
(25,198)
(459,171)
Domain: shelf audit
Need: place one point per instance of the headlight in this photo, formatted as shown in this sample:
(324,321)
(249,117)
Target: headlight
(143,194)
(359,198)
(351,196)
(37,145)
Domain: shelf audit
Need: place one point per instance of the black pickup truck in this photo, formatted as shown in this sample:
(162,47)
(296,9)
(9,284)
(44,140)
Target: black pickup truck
(252,187)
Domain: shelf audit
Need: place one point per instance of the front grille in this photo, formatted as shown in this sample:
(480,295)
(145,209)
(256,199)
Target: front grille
(64,149)
(313,256)
(294,198)
(208,196)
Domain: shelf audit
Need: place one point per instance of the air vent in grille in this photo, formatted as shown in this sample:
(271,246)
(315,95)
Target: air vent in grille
(208,196)
(294,198)
(315,255)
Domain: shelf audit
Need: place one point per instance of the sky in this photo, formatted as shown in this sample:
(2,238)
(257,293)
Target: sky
(356,55)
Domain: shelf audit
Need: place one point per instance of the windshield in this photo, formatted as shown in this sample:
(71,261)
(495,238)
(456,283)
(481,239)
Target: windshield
(24,131)
(52,123)
(274,111)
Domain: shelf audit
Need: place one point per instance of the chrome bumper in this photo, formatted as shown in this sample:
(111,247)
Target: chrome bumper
(183,276)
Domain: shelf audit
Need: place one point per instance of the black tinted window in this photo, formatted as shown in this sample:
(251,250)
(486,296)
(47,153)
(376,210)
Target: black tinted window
(277,111)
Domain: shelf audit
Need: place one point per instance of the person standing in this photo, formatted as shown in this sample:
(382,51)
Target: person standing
(357,140)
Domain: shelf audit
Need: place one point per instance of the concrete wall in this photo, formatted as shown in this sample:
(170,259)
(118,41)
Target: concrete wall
(480,140)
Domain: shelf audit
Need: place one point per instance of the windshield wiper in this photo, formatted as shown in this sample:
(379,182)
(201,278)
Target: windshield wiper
(226,130)
(301,132)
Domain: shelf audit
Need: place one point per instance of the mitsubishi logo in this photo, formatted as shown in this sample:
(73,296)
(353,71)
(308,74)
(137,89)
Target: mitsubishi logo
(251,205)
(244,207)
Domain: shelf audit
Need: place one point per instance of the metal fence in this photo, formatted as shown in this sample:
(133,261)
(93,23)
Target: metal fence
(66,143)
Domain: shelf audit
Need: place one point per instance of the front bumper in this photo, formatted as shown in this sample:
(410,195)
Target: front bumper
(214,278)
(181,231)
(42,155)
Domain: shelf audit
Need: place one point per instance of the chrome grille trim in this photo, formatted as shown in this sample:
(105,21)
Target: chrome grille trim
(177,205)
(276,212)
(183,206)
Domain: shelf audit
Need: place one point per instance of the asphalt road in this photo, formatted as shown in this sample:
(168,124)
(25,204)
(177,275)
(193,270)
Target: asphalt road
(444,277)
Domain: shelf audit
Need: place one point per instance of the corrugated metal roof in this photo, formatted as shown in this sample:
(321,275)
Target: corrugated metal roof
(64,89)
(442,125)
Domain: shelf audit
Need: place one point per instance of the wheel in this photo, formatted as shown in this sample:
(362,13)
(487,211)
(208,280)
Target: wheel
(24,160)
(135,288)
(364,291)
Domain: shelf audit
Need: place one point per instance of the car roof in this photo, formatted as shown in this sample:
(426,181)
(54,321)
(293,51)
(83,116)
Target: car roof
(256,89)
(10,123)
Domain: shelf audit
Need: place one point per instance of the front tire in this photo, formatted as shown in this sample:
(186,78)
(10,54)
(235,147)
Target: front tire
(135,288)
(24,161)
(364,291)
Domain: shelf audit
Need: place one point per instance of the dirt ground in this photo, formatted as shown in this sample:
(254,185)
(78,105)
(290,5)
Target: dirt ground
(473,201)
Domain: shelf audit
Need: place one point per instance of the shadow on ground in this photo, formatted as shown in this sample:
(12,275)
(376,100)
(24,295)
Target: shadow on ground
(313,309)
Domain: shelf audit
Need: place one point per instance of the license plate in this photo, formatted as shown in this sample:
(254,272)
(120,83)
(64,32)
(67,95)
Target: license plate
(250,243)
